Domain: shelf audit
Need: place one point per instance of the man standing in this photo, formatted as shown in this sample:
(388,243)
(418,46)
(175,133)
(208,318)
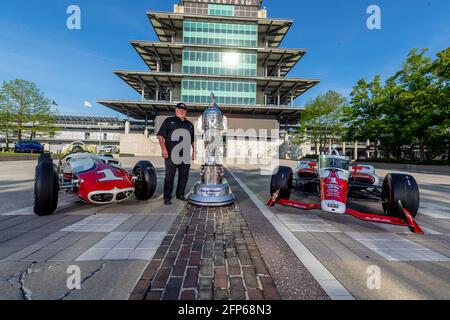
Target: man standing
(177,139)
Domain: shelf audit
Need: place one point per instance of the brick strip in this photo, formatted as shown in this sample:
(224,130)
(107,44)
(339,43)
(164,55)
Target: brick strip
(208,254)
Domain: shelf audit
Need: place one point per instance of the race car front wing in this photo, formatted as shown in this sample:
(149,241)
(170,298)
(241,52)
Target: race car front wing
(408,220)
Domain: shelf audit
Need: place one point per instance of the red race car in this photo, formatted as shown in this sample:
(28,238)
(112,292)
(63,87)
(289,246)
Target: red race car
(334,180)
(96,179)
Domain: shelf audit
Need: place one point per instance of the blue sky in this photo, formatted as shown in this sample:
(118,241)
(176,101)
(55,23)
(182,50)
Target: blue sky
(76,66)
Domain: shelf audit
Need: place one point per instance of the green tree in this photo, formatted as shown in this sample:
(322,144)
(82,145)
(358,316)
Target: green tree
(439,133)
(27,108)
(363,117)
(321,123)
(411,110)
(418,94)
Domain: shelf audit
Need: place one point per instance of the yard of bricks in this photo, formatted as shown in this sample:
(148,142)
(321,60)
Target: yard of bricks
(208,254)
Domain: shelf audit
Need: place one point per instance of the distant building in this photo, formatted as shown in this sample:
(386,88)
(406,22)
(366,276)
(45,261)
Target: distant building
(98,131)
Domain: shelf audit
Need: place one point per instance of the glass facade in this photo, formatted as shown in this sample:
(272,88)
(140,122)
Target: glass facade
(203,9)
(221,10)
(226,92)
(214,33)
(220,63)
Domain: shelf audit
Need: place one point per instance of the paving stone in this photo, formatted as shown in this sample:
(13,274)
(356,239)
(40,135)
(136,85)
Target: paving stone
(142,287)
(210,254)
(221,294)
(195,259)
(152,269)
(154,295)
(179,269)
(220,279)
(206,267)
(173,288)
(255,294)
(161,252)
(250,277)
(237,291)
(188,295)
(191,279)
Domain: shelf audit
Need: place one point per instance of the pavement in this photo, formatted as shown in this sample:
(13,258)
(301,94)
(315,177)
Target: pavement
(247,251)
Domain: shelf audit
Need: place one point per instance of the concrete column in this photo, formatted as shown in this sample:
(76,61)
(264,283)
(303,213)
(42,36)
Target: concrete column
(367,148)
(127,126)
(343,148)
(292,100)
(146,126)
(157,95)
(355,153)
(143,94)
(158,65)
(265,99)
(279,98)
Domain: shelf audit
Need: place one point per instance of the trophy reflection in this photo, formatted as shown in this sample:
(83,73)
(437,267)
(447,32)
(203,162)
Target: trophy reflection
(213,189)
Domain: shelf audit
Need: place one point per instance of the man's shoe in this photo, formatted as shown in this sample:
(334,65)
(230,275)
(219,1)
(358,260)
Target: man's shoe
(167,202)
(182,198)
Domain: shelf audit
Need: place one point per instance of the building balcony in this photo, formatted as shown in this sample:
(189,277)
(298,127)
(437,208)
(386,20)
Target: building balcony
(168,57)
(167,86)
(169,26)
(149,109)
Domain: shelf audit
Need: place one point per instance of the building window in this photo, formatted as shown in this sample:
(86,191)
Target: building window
(221,10)
(87,136)
(226,92)
(220,63)
(213,33)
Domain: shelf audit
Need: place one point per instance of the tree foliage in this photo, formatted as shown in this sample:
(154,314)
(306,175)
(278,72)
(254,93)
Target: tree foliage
(409,112)
(321,123)
(25,111)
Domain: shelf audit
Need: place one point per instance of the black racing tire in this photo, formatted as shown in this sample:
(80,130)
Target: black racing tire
(46,189)
(400,187)
(282,180)
(145,185)
(45,157)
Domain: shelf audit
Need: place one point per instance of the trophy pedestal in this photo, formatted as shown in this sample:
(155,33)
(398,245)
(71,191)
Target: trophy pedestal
(213,190)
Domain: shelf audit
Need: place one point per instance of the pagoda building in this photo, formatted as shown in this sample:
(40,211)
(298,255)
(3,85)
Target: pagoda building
(228,47)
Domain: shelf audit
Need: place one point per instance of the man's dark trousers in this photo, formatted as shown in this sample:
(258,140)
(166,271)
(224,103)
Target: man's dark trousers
(183,177)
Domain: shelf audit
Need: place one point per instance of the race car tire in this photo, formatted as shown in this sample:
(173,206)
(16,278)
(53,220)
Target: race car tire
(282,180)
(46,188)
(45,157)
(145,185)
(400,187)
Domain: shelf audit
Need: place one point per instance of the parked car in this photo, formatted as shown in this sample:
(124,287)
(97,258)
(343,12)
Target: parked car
(29,147)
(108,149)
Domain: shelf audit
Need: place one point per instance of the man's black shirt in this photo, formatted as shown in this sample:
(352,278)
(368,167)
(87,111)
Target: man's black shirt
(172,124)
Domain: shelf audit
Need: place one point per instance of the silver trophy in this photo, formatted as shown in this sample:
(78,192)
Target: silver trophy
(213,189)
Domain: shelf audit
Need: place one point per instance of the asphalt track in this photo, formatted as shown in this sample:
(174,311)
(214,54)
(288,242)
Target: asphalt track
(311,255)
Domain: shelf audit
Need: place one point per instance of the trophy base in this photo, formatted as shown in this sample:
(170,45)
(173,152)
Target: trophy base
(207,195)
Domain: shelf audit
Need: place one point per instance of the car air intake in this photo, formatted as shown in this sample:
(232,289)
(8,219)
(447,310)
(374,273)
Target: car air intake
(102,197)
(123,195)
